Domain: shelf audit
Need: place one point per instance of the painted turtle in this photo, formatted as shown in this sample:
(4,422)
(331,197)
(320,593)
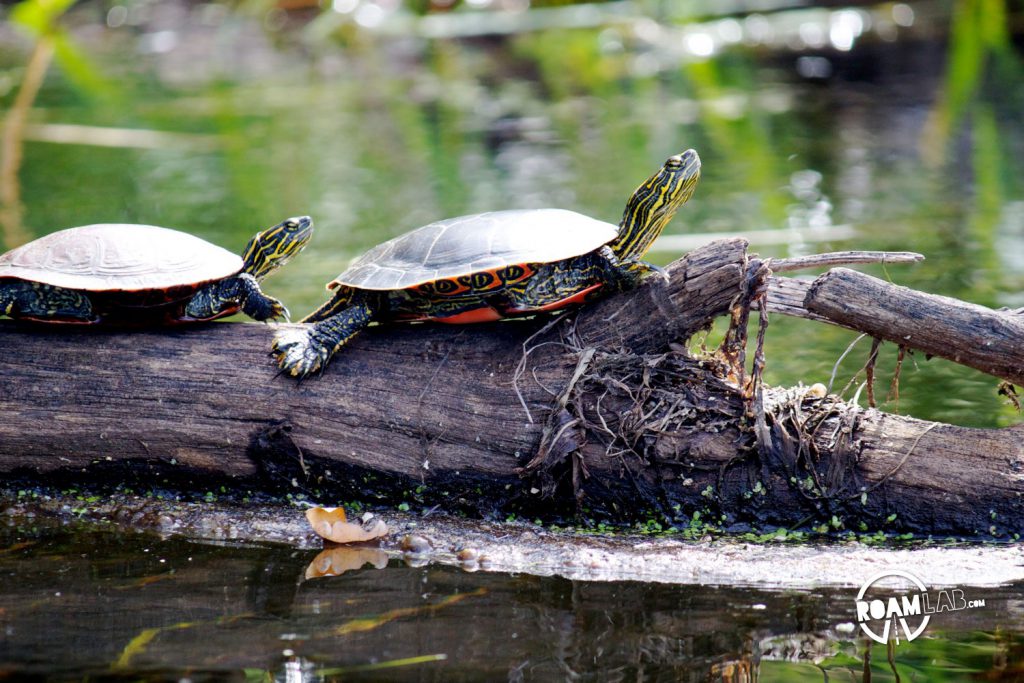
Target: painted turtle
(143,274)
(490,266)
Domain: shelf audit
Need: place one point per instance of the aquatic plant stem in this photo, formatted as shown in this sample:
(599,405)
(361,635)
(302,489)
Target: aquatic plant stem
(12,142)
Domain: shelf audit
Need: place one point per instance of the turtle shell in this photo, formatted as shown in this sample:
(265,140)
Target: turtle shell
(119,257)
(479,242)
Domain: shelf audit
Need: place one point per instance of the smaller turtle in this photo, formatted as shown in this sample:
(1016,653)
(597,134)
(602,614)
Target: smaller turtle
(491,266)
(124,274)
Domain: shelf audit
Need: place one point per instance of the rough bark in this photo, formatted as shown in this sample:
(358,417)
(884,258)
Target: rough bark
(979,337)
(600,411)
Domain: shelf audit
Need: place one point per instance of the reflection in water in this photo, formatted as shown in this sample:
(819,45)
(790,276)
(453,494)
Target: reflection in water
(226,610)
(376,621)
(338,560)
(297,670)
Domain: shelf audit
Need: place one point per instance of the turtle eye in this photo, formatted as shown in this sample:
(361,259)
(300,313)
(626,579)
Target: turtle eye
(296,223)
(674,162)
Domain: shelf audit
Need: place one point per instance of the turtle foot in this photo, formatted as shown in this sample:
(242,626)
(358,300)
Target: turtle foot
(297,354)
(265,308)
(642,271)
(278,311)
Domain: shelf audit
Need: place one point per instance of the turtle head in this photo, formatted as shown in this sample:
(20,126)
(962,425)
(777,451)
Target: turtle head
(273,247)
(654,203)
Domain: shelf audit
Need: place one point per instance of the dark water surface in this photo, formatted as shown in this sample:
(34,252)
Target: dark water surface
(880,126)
(78,602)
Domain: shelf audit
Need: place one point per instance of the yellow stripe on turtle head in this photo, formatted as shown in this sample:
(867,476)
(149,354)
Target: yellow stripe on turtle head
(654,203)
(273,247)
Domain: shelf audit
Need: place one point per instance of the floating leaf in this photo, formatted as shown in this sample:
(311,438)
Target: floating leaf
(332,524)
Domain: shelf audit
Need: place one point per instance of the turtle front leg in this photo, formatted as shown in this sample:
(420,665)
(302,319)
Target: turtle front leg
(627,273)
(241,290)
(303,352)
(44,302)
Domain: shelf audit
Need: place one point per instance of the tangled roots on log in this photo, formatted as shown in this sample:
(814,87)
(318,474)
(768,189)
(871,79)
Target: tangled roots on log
(796,428)
(643,419)
(672,434)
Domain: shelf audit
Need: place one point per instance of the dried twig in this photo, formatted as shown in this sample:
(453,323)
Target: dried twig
(521,367)
(894,386)
(838,258)
(835,368)
(869,370)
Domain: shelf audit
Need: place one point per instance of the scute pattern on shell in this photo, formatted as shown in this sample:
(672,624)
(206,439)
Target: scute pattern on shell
(114,256)
(469,244)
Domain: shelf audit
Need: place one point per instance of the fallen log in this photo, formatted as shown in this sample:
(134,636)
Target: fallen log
(972,335)
(981,338)
(600,412)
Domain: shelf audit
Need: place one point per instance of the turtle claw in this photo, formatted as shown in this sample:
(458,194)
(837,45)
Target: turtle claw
(660,272)
(297,355)
(644,270)
(277,311)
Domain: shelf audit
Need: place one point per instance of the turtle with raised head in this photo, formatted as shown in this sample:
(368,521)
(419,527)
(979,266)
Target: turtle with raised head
(491,266)
(125,274)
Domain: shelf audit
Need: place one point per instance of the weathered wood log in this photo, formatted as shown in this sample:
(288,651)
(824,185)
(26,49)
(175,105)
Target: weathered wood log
(421,401)
(979,337)
(630,421)
(972,335)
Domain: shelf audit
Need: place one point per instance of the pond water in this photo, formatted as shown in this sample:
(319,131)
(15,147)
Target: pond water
(80,602)
(888,126)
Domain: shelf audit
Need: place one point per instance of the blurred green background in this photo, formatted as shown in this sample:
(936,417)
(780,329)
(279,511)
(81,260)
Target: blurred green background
(853,125)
